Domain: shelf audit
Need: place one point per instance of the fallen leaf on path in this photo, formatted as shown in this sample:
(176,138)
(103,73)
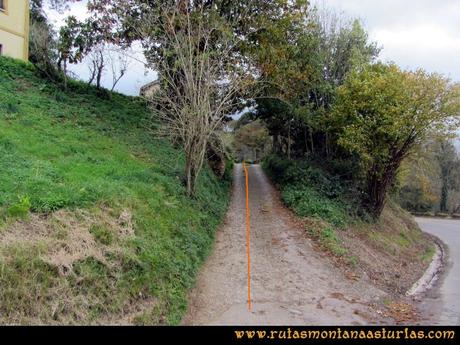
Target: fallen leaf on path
(402,312)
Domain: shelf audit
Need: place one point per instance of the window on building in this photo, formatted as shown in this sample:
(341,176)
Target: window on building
(2,4)
(1,49)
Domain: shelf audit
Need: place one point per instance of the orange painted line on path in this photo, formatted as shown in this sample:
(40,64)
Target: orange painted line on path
(248,234)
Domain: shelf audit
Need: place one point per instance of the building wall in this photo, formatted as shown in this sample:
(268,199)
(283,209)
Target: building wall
(14,29)
(149,90)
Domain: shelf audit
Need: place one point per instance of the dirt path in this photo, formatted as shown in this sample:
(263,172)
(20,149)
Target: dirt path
(291,282)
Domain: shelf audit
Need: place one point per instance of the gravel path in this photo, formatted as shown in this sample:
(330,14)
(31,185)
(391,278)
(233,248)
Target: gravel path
(291,282)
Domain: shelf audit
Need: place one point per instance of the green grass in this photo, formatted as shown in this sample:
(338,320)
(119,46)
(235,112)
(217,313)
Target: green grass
(20,209)
(102,234)
(427,256)
(333,217)
(332,242)
(313,193)
(305,201)
(309,190)
(82,148)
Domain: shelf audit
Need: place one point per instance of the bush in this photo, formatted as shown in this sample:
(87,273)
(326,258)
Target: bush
(309,189)
(286,172)
(229,164)
(414,199)
(307,202)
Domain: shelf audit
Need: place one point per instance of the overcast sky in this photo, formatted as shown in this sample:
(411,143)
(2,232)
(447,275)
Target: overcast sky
(137,74)
(413,33)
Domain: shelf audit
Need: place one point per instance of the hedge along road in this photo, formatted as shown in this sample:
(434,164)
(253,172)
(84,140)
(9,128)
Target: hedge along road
(442,304)
(291,283)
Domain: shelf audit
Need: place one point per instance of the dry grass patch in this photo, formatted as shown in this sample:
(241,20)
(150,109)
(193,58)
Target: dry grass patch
(68,237)
(65,268)
(393,253)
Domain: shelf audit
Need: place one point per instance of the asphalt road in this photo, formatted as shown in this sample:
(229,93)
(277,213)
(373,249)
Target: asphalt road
(444,302)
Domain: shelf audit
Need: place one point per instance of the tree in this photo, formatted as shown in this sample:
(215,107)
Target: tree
(42,41)
(201,81)
(303,59)
(101,57)
(47,52)
(251,140)
(417,186)
(200,49)
(382,113)
(119,63)
(449,166)
(42,48)
(96,64)
(429,179)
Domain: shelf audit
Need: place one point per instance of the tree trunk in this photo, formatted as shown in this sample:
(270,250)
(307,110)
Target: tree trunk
(311,140)
(115,82)
(100,70)
(377,188)
(188,177)
(381,176)
(93,74)
(91,79)
(276,143)
(289,141)
(98,79)
(305,139)
(377,191)
(195,153)
(444,196)
(65,74)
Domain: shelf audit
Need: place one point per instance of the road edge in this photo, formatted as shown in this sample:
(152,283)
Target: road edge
(432,273)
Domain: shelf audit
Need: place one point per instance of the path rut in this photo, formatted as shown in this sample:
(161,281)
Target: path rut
(291,282)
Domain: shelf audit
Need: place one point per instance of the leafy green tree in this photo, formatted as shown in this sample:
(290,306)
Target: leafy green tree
(251,140)
(42,41)
(449,166)
(50,52)
(417,186)
(74,42)
(193,106)
(382,113)
(303,59)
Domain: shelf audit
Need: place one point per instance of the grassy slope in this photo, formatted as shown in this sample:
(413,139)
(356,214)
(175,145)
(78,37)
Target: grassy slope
(392,252)
(89,155)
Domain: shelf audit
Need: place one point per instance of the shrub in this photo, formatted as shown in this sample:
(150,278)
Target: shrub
(229,164)
(309,189)
(285,172)
(307,202)
(20,209)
